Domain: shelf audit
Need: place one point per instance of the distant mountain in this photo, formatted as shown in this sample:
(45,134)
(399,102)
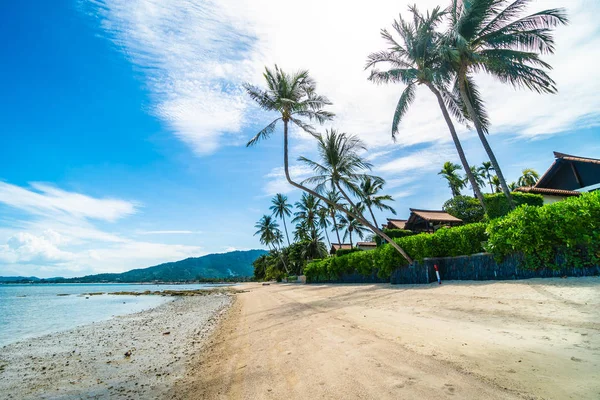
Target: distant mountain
(7,279)
(219,266)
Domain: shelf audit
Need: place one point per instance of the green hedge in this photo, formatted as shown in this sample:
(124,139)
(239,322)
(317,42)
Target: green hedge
(497,204)
(343,252)
(568,229)
(446,242)
(393,234)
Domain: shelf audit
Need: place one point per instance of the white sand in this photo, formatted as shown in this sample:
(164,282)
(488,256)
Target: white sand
(89,362)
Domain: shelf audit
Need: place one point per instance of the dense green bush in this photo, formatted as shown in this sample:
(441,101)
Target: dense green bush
(497,204)
(466,208)
(343,252)
(393,234)
(569,229)
(446,242)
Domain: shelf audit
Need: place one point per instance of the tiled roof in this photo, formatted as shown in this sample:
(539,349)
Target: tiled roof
(338,246)
(576,158)
(433,215)
(367,244)
(557,192)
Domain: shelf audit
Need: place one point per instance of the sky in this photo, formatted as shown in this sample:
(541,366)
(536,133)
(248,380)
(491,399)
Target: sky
(123,123)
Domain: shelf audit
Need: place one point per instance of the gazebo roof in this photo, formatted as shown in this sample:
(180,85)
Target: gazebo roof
(432,216)
(397,223)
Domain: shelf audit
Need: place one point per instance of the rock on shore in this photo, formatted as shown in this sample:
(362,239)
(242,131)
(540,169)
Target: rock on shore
(134,356)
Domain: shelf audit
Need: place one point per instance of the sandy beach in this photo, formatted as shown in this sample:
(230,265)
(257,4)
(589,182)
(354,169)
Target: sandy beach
(90,362)
(533,339)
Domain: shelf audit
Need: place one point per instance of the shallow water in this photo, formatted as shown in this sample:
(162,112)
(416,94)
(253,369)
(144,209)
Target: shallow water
(33,310)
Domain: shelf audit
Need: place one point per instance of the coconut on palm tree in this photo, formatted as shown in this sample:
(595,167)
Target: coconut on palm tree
(369,189)
(341,168)
(281,209)
(486,170)
(489,36)
(455,181)
(416,60)
(294,97)
(529,177)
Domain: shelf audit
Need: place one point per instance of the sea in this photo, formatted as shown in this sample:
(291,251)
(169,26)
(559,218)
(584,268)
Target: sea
(32,310)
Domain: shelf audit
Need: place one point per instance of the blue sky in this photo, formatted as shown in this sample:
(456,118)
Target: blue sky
(123,123)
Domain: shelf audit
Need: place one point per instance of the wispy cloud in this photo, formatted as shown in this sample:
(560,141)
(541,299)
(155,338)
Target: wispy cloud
(169,232)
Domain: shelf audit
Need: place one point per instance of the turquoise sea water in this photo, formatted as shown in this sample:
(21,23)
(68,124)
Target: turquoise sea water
(33,310)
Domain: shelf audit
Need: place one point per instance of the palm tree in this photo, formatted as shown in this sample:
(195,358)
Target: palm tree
(270,235)
(341,166)
(529,177)
(334,197)
(281,209)
(313,247)
(368,193)
(496,183)
(488,36)
(307,207)
(294,96)
(414,61)
(352,225)
(486,170)
(513,186)
(323,221)
(455,182)
(479,176)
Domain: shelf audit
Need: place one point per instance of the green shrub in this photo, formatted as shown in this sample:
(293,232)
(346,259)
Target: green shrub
(343,252)
(466,208)
(497,204)
(569,229)
(393,234)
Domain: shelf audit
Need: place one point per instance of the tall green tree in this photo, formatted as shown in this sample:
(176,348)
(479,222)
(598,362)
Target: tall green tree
(369,193)
(486,170)
(323,221)
(529,177)
(450,173)
(281,209)
(479,178)
(270,235)
(351,226)
(307,214)
(496,183)
(341,168)
(416,60)
(490,36)
(294,97)
(334,197)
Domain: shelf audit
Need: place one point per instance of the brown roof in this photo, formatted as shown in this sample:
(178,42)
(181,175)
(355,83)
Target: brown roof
(434,215)
(338,246)
(576,158)
(397,223)
(556,192)
(367,244)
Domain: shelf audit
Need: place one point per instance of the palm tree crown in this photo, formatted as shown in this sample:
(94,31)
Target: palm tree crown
(450,173)
(529,177)
(486,170)
(268,230)
(281,209)
(369,189)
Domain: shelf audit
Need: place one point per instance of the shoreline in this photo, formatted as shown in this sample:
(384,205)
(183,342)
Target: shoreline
(138,355)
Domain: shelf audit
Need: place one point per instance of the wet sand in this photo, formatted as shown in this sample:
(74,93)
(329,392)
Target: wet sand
(533,339)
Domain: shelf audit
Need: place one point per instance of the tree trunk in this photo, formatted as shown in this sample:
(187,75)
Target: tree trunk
(490,182)
(287,271)
(458,145)
(337,231)
(350,233)
(483,139)
(336,206)
(327,236)
(285,227)
(372,215)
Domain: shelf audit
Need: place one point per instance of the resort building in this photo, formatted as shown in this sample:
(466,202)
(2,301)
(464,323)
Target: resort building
(429,220)
(366,245)
(567,176)
(395,224)
(337,246)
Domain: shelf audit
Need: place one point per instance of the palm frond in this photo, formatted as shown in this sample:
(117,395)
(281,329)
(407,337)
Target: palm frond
(263,134)
(407,97)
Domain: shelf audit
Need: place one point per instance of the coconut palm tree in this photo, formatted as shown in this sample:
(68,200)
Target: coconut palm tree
(323,221)
(341,167)
(294,97)
(489,36)
(497,185)
(307,207)
(455,182)
(417,60)
(313,247)
(479,178)
(281,209)
(270,235)
(352,225)
(513,186)
(486,170)
(334,197)
(529,177)
(369,188)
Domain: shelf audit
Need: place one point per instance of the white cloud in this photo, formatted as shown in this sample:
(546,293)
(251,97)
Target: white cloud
(48,200)
(277,183)
(195,57)
(26,248)
(418,162)
(169,232)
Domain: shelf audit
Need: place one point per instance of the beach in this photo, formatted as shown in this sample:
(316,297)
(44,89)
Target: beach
(531,339)
(133,356)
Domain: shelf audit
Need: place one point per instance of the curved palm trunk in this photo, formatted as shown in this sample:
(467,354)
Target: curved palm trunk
(336,206)
(372,215)
(459,149)
(483,139)
(285,227)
